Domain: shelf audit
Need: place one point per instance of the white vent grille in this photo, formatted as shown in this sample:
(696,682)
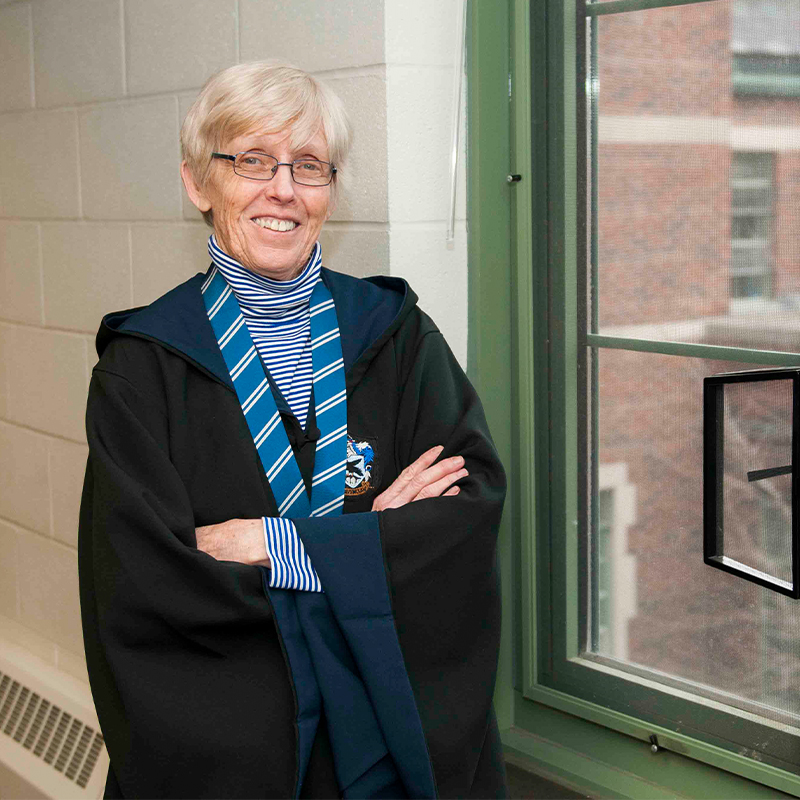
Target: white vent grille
(48,738)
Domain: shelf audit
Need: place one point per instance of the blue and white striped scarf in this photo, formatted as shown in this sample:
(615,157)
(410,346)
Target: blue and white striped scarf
(277,316)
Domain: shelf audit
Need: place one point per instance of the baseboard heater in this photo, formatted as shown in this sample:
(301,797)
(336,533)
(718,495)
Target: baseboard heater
(49,734)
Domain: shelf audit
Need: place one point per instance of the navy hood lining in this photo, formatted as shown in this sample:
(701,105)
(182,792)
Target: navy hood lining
(369,311)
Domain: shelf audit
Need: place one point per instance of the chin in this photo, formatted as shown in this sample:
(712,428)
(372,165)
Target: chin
(277,270)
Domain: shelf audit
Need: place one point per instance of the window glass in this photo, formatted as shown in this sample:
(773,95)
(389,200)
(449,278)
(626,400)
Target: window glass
(757,506)
(657,605)
(694,238)
(696,186)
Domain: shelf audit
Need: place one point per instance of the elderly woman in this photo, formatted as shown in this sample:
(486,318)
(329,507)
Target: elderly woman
(287,546)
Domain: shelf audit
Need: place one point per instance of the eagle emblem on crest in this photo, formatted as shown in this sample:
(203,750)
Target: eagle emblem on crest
(360,464)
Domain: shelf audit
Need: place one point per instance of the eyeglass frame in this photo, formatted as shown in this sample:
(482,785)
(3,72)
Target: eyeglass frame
(290,164)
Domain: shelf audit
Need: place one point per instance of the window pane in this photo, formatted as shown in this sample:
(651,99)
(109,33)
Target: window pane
(695,185)
(656,606)
(757,511)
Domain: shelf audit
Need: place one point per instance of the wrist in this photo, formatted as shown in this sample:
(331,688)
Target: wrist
(255,538)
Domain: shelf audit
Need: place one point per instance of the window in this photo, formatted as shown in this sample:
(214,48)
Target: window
(624,295)
(751,225)
(765,48)
(662,279)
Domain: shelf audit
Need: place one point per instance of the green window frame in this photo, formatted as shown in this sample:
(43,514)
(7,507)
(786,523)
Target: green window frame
(523,256)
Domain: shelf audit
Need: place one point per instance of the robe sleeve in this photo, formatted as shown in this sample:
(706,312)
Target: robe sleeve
(182,656)
(437,558)
(441,562)
(143,546)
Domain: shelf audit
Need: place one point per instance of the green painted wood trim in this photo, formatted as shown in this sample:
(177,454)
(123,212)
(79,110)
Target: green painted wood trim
(489,248)
(528,267)
(605,763)
(620,6)
(558,484)
(566,158)
(690,350)
(528,714)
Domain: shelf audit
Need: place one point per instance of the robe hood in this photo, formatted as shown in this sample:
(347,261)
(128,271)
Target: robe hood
(172,321)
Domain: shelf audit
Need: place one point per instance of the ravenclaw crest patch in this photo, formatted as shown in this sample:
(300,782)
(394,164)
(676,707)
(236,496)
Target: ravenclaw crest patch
(360,476)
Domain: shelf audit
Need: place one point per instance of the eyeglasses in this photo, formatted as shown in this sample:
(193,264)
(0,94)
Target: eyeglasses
(258,166)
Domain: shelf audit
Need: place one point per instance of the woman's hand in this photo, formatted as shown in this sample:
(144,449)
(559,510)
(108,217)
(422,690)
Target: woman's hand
(239,540)
(242,540)
(423,479)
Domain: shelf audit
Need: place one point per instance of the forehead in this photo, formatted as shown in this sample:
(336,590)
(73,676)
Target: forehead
(280,143)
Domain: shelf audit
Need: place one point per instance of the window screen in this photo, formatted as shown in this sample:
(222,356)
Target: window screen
(692,269)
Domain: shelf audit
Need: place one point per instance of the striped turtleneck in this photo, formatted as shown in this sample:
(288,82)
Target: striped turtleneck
(277,316)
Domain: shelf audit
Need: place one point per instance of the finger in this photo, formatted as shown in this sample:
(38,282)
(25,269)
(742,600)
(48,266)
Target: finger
(438,487)
(432,489)
(435,473)
(410,472)
(419,482)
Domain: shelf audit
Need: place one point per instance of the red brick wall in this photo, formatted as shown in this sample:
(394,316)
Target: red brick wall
(663,232)
(664,209)
(672,61)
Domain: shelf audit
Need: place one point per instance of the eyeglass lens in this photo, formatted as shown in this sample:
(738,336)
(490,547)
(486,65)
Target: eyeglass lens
(305,171)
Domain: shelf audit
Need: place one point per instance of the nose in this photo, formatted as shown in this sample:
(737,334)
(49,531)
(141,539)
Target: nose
(281,187)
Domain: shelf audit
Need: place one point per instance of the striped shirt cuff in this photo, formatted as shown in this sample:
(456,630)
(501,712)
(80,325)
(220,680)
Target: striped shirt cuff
(291,566)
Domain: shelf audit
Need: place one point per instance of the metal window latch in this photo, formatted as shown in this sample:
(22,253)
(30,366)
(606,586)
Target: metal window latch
(654,745)
(513,178)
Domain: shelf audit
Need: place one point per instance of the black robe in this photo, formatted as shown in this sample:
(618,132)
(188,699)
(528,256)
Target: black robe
(188,670)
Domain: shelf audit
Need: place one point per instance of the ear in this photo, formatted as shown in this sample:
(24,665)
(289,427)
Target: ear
(196,194)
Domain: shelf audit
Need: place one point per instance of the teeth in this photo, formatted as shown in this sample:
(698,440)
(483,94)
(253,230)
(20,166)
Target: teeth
(275,224)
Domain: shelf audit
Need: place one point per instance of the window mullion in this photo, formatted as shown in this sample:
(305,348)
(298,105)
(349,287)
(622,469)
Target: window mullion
(691,350)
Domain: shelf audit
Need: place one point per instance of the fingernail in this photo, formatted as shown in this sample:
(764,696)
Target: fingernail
(463,473)
(458,460)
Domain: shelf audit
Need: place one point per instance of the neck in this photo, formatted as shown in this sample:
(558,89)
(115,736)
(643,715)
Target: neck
(259,294)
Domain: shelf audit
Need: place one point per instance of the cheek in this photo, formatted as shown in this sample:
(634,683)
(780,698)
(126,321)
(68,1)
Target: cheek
(232,202)
(230,217)
(321,211)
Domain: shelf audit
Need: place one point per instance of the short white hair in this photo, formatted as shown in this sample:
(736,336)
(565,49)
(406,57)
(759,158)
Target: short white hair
(268,97)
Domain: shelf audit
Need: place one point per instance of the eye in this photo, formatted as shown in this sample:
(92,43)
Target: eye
(255,159)
(310,167)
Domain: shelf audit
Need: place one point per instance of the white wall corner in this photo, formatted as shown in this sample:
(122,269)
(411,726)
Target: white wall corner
(421,48)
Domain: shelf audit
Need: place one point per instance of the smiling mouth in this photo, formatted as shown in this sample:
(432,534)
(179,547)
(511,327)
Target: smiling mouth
(273,224)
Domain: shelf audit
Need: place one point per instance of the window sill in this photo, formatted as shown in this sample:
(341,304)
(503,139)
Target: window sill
(601,752)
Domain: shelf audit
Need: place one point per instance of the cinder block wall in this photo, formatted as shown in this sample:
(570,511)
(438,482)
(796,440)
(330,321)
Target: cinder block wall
(93,217)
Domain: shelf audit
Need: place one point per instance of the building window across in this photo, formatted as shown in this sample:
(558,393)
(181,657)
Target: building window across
(765,48)
(751,184)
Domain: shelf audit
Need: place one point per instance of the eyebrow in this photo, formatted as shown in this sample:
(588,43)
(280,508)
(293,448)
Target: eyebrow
(301,152)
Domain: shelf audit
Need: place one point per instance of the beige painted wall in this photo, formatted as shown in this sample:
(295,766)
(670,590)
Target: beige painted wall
(93,217)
